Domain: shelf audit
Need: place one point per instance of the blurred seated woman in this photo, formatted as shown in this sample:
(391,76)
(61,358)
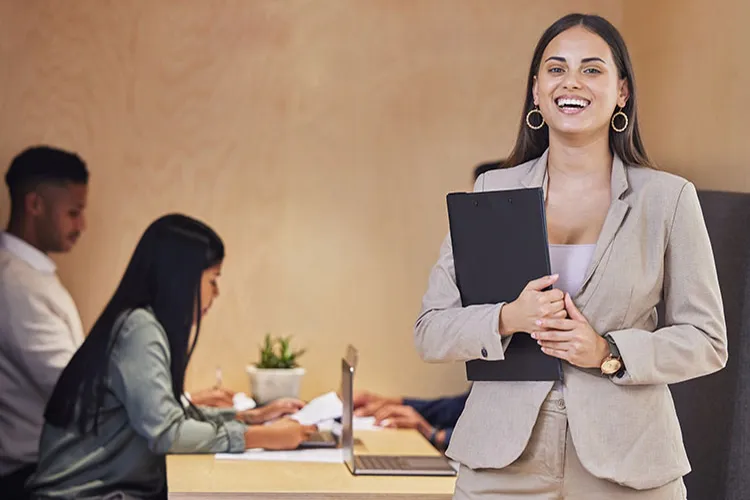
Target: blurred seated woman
(116,410)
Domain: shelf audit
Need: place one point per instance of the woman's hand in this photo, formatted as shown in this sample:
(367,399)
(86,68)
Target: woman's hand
(286,434)
(216,397)
(367,403)
(402,417)
(573,340)
(271,411)
(532,304)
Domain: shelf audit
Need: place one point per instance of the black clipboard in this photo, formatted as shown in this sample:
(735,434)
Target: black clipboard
(500,244)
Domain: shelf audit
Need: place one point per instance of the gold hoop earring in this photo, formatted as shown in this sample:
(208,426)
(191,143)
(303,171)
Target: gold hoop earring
(624,116)
(528,119)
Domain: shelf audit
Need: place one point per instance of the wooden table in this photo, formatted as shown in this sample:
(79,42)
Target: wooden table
(202,476)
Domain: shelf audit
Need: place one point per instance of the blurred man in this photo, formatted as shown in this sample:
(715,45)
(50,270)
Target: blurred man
(39,324)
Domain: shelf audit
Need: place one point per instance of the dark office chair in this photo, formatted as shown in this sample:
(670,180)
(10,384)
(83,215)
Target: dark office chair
(714,411)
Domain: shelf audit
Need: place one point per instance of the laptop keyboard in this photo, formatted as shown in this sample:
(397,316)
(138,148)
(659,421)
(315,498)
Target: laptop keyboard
(374,462)
(428,465)
(319,437)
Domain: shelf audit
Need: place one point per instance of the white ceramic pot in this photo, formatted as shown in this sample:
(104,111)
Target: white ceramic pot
(269,384)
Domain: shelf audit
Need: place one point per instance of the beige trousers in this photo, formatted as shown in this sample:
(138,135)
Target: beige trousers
(549,469)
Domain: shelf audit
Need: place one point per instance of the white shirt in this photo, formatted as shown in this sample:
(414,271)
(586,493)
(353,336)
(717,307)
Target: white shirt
(571,262)
(28,253)
(40,330)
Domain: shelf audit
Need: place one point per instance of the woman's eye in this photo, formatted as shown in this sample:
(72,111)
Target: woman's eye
(592,70)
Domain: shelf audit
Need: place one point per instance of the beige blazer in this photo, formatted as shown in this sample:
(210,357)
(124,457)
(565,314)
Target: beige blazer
(653,243)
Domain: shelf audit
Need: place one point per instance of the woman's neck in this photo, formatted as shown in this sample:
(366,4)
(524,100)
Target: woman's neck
(590,159)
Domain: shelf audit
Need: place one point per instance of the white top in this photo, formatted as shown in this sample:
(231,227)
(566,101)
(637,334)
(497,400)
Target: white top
(32,255)
(40,330)
(571,262)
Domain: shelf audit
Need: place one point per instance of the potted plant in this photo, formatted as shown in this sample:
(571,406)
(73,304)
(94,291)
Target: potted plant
(277,374)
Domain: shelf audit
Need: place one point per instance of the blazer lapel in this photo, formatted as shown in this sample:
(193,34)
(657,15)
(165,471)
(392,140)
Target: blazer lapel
(537,174)
(618,209)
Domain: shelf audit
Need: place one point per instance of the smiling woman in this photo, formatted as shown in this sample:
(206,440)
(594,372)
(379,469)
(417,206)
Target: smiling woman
(622,237)
(593,59)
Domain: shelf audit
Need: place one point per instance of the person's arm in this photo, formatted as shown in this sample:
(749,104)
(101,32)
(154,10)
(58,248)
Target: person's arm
(445,438)
(366,403)
(43,339)
(141,380)
(212,414)
(441,438)
(694,342)
(406,417)
(440,412)
(446,331)
(199,411)
(215,397)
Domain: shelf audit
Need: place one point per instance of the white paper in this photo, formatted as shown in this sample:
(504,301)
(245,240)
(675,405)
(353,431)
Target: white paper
(359,424)
(365,424)
(243,402)
(320,455)
(322,408)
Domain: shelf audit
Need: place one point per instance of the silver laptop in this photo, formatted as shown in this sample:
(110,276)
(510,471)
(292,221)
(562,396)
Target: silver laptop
(379,465)
(327,439)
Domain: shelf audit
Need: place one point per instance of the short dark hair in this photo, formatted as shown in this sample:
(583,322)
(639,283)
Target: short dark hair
(42,165)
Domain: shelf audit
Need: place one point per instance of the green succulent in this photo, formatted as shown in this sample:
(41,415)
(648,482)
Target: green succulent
(276,353)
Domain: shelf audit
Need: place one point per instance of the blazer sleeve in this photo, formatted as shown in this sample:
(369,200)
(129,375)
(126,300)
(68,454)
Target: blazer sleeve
(141,380)
(694,341)
(211,414)
(446,331)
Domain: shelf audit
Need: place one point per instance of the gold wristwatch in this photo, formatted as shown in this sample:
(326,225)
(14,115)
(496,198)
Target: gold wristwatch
(612,363)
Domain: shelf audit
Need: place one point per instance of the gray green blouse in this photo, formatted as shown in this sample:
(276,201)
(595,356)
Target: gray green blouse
(140,422)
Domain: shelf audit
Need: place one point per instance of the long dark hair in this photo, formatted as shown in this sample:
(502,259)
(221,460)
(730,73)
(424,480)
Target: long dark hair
(164,275)
(628,144)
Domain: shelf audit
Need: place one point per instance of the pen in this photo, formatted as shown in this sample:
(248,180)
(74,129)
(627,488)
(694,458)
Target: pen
(218,377)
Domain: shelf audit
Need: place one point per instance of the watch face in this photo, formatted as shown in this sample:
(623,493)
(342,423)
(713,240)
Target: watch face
(611,366)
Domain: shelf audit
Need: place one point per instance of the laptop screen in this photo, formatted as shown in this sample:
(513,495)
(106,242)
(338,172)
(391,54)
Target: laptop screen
(347,417)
